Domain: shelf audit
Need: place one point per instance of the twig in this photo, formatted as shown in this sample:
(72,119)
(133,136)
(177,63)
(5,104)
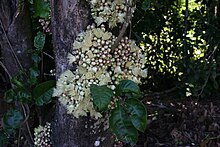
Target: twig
(125,25)
(213,52)
(48,55)
(6,70)
(27,114)
(26,122)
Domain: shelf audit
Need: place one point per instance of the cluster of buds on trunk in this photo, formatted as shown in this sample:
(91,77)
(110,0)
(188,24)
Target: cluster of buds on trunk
(92,49)
(110,11)
(128,62)
(42,136)
(97,63)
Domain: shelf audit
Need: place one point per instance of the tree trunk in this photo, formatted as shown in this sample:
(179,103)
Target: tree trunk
(15,41)
(15,35)
(69,18)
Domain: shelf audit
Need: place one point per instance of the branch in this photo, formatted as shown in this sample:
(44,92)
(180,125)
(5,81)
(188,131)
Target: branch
(125,25)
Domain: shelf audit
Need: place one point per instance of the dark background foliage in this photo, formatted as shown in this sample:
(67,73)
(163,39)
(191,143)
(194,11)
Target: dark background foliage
(180,40)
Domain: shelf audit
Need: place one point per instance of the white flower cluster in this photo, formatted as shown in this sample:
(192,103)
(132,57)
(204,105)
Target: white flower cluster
(128,63)
(111,11)
(97,64)
(92,49)
(73,92)
(42,136)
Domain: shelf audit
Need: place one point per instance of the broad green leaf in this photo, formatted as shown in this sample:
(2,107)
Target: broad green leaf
(10,96)
(42,93)
(39,40)
(12,120)
(138,113)
(101,96)
(122,126)
(3,138)
(41,9)
(128,87)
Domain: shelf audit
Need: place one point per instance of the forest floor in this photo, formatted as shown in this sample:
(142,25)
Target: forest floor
(181,123)
(177,123)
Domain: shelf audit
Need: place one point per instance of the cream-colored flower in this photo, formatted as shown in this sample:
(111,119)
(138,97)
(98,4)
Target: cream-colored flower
(136,71)
(118,69)
(71,58)
(144,73)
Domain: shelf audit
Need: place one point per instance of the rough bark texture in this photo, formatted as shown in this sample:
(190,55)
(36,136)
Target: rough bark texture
(16,25)
(15,41)
(69,18)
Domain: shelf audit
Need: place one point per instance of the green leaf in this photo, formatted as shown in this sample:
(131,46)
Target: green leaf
(32,80)
(42,9)
(17,94)
(31,1)
(39,40)
(101,96)
(122,126)
(128,88)
(138,114)
(16,82)
(12,120)
(33,75)
(3,138)
(23,95)
(146,4)
(42,93)
(10,96)
(36,58)
(34,72)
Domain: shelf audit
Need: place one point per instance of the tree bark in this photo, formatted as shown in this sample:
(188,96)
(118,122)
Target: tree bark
(15,35)
(15,41)
(69,18)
